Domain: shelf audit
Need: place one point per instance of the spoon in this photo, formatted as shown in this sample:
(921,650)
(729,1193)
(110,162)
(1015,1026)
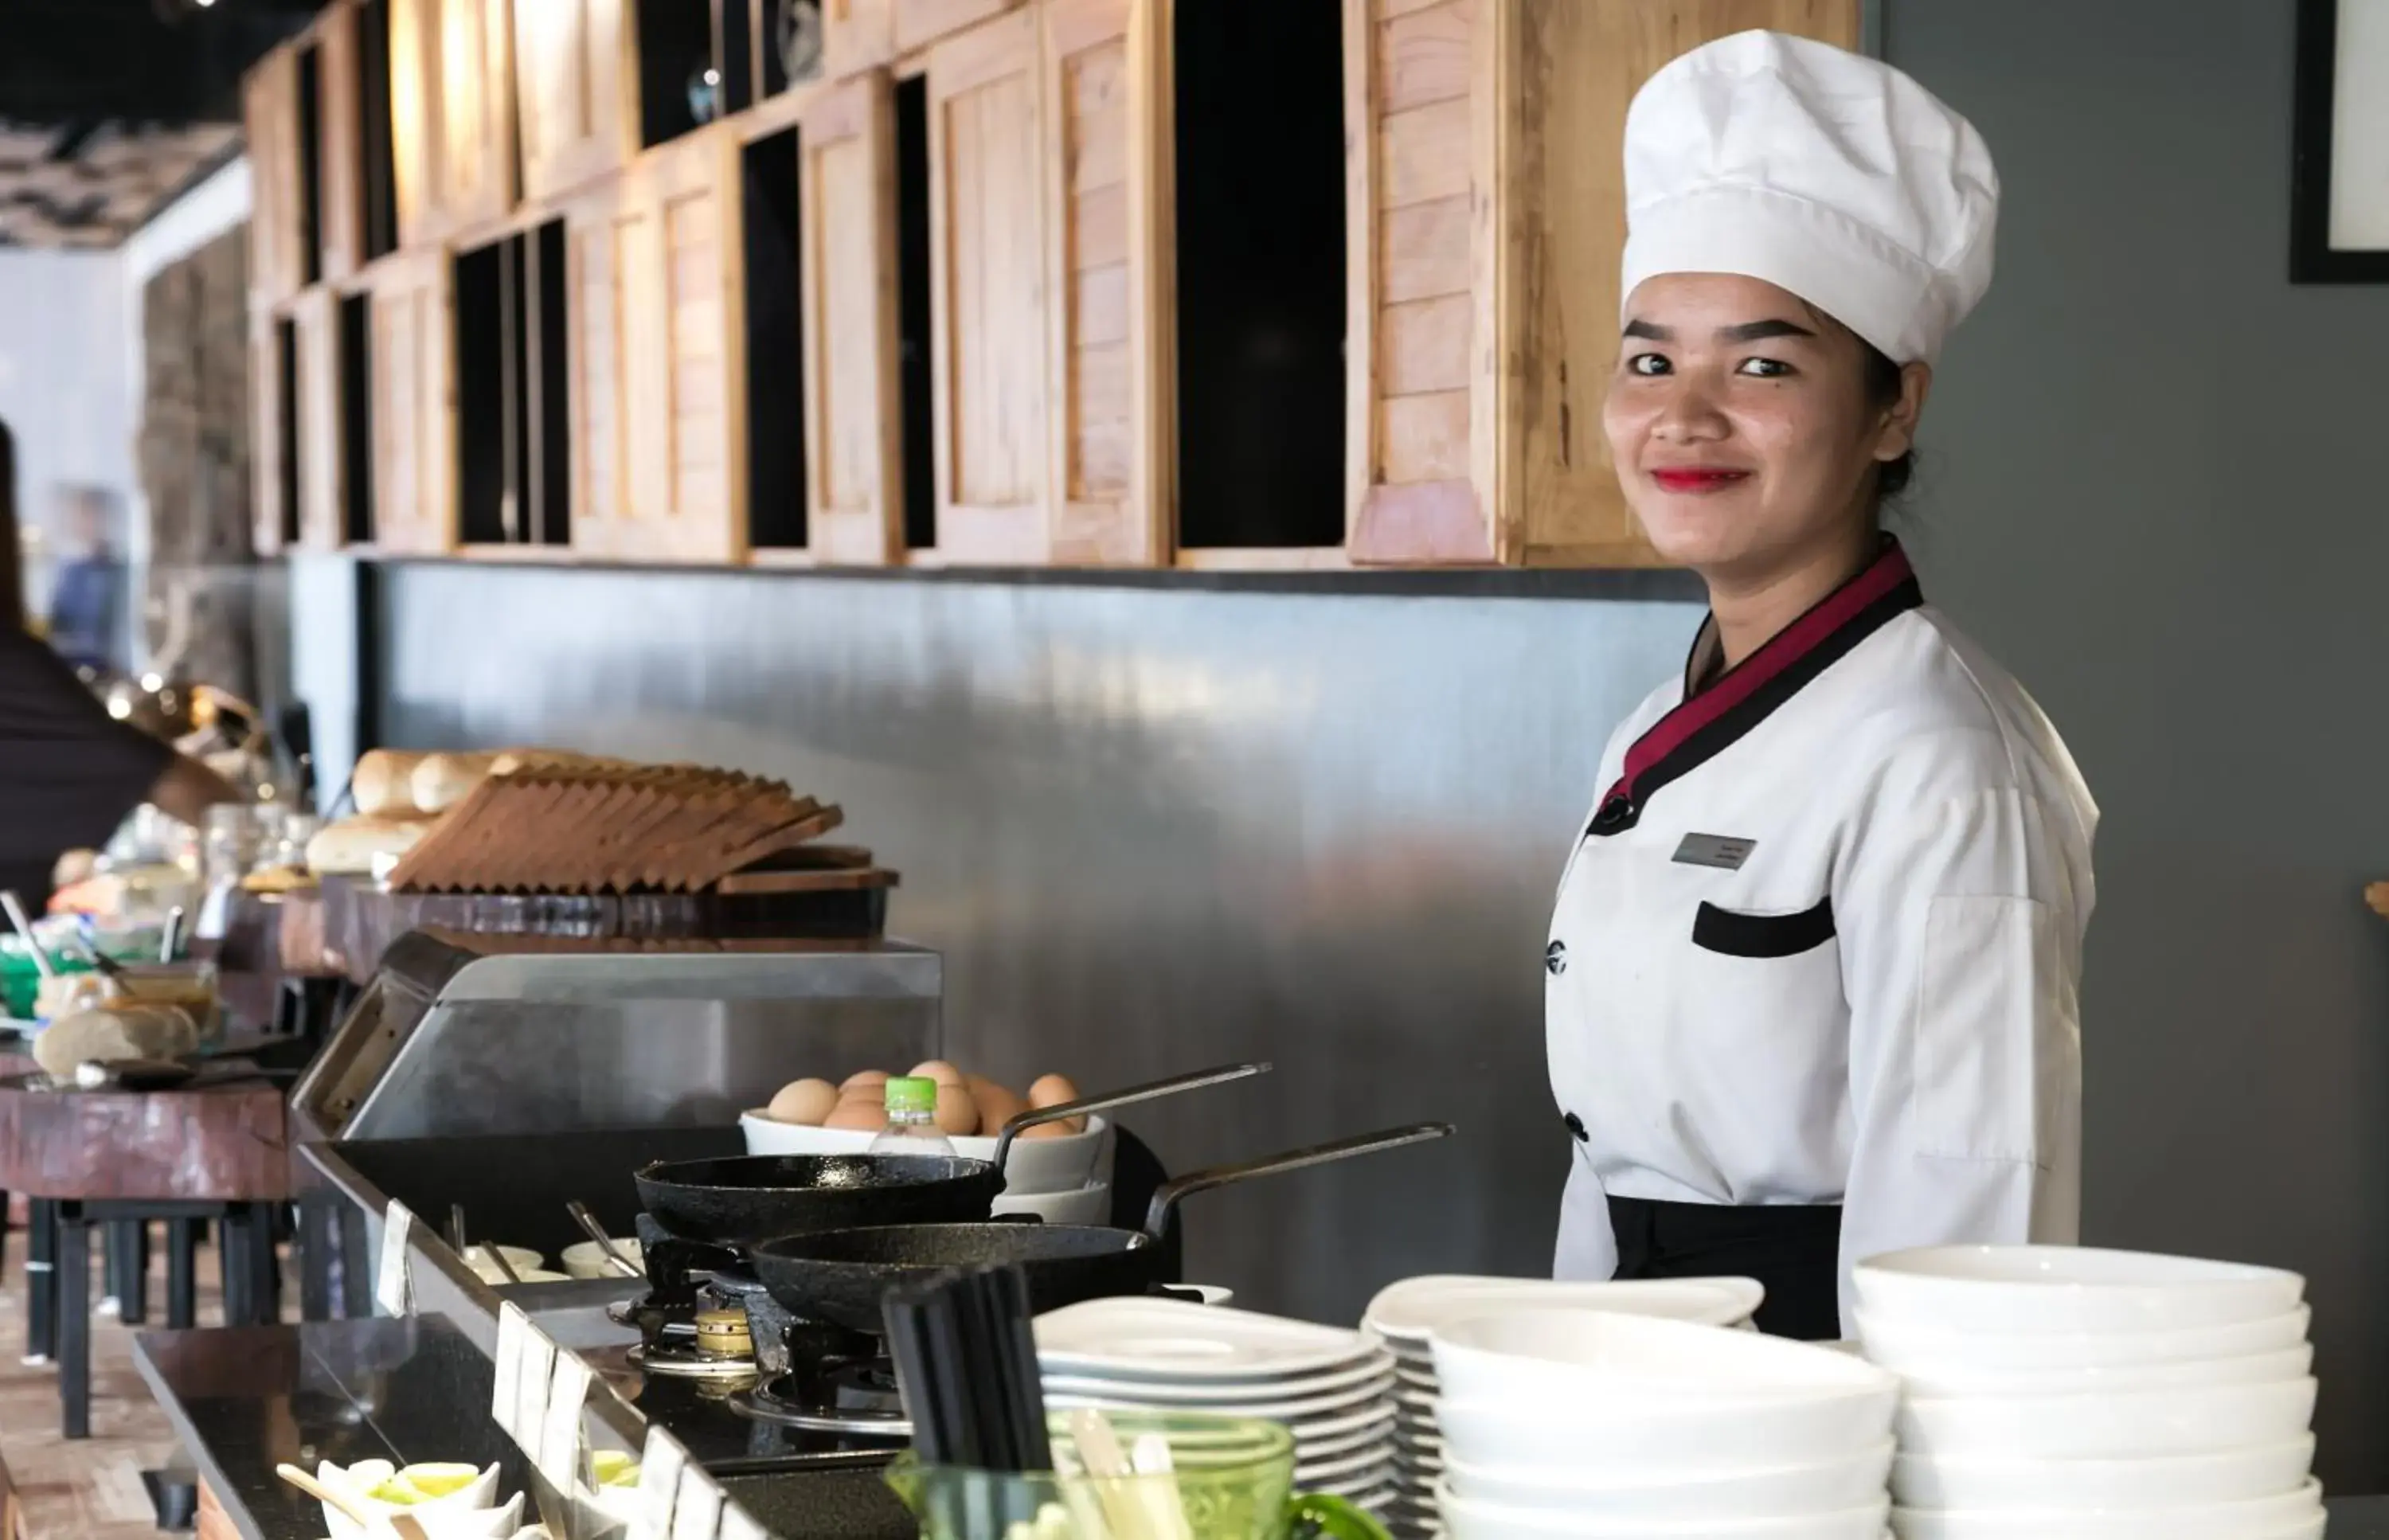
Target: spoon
(16,912)
(457,1239)
(588,1222)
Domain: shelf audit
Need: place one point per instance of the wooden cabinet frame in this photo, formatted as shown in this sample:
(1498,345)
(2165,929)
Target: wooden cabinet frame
(414,346)
(315,319)
(452,115)
(576,92)
(270,118)
(854,464)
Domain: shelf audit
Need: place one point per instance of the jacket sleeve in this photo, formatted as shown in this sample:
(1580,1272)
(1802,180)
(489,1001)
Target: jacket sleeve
(1961,959)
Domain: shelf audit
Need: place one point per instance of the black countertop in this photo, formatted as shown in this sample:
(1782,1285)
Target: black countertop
(247,1398)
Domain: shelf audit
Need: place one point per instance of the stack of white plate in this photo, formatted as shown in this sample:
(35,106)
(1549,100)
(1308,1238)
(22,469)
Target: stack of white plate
(1407,1314)
(1592,1424)
(1332,1386)
(2054,1393)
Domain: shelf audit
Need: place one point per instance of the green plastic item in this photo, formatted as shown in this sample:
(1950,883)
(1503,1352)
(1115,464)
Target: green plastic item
(1233,1479)
(908,1093)
(20,978)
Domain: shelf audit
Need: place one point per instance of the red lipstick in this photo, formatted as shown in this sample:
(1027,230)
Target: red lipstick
(1697,480)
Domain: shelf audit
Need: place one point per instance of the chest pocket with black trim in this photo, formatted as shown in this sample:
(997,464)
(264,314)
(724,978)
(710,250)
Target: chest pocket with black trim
(1733,933)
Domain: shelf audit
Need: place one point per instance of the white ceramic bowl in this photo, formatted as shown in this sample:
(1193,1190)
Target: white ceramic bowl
(2173,1480)
(523,1258)
(1532,1354)
(1087,1206)
(471,1512)
(2044,1288)
(2242,1521)
(2120,1425)
(1785,1492)
(1896,1344)
(1061,1164)
(1938,1381)
(588,1259)
(1468,1519)
(1631,1438)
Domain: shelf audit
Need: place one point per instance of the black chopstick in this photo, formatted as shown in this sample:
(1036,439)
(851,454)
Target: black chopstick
(965,1358)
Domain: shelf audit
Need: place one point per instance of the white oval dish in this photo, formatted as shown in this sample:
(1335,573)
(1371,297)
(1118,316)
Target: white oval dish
(1138,1337)
(2240,1520)
(1895,1343)
(1940,1383)
(1411,1310)
(2122,1425)
(1633,1438)
(1537,1354)
(2030,1289)
(1467,1519)
(1834,1486)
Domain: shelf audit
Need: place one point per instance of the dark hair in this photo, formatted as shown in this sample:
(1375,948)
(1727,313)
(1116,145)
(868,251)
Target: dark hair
(1882,382)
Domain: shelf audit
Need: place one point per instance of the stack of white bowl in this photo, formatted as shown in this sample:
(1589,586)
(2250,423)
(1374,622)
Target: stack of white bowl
(2057,1392)
(1406,1315)
(1595,1425)
(1332,1386)
(1064,1180)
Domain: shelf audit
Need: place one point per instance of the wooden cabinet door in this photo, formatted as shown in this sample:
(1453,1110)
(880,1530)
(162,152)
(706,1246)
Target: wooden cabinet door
(418,141)
(265,446)
(856,35)
(341,158)
(1108,466)
(316,321)
(596,227)
(678,266)
(576,81)
(919,23)
(414,404)
(269,115)
(853,448)
(477,110)
(988,304)
(1420,112)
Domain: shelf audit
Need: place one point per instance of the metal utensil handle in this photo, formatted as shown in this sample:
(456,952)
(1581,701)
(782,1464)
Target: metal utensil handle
(170,938)
(16,912)
(457,1231)
(1147,1092)
(596,1231)
(106,966)
(1165,1198)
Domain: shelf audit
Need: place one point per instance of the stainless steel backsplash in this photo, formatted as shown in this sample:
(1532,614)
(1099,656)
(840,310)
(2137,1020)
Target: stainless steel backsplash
(1150,826)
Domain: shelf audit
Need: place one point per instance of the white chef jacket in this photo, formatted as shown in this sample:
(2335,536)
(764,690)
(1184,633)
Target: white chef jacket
(1820,944)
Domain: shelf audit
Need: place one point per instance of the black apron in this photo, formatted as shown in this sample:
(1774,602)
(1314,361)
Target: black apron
(1795,1252)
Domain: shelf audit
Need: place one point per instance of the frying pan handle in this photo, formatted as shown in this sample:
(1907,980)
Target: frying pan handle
(1147,1092)
(1156,1218)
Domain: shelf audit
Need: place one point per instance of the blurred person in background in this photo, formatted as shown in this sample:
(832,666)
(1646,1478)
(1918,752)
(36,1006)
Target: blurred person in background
(69,772)
(87,597)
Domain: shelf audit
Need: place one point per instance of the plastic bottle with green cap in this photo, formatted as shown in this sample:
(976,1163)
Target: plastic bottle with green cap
(912,1119)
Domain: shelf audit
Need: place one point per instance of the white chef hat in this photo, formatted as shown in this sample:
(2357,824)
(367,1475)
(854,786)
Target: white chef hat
(1828,174)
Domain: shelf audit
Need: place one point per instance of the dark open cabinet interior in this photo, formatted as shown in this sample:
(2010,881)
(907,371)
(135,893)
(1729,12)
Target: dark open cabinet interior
(513,421)
(771,220)
(1260,275)
(915,378)
(286,429)
(355,347)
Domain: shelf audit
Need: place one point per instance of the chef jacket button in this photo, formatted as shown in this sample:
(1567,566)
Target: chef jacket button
(1615,814)
(1575,1127)
(1556,959)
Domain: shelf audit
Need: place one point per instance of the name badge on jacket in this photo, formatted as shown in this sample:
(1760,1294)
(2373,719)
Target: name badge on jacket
(1722,851)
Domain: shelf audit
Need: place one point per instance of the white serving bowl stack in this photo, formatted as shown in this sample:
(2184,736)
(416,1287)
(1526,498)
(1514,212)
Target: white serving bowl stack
(1330,1386)
(1405,1315)
(2060,1392)
(1591,1423)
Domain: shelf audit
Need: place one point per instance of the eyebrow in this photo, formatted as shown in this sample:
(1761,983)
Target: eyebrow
(1749,331)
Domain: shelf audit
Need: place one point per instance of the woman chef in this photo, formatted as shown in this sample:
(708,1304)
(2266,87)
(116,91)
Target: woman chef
(1812,969)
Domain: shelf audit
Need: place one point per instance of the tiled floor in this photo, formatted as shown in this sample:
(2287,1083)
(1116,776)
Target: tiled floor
(86,1489)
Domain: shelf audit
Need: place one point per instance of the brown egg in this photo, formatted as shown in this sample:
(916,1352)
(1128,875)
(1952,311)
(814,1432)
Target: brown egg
(957,1113)
(806,1101)
(874,1079)
(1053,1090)
(938,1070)
(868,1112)
(997,1104)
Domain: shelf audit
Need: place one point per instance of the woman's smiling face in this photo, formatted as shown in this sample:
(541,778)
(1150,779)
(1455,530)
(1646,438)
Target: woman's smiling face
(1741,425)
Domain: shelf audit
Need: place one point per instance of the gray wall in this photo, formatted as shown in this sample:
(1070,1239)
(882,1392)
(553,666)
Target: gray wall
(1154,826)
(2154,490)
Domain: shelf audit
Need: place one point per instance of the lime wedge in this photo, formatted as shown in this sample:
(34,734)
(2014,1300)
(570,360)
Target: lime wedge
(398,1493)
(615,1468)
(439,1481)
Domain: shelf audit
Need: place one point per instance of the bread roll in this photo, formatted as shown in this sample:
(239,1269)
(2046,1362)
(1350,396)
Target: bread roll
(382,785)
(112,1033)
(443,780)
(351,844)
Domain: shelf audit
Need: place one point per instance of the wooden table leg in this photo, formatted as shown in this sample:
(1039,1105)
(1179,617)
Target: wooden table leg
(181,1273)
(128,1269)
(232,1263)
(41,1281)
(74,1320)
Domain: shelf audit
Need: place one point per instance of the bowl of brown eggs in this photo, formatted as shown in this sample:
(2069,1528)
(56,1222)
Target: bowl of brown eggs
(819,1117)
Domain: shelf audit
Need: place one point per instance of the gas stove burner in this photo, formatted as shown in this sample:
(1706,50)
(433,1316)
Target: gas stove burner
(627,1312)
(682,1361)
(857,1398)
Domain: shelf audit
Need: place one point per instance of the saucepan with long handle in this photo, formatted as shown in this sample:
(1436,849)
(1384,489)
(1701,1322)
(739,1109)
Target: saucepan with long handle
(737,1200)
(839,1275)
